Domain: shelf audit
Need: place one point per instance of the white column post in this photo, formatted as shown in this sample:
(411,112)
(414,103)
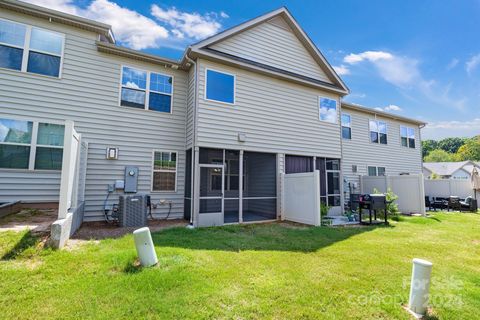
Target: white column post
(65,185)
(240,187)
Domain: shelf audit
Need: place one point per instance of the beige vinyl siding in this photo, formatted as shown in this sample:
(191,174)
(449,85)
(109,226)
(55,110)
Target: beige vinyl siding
(361,152)
(88,93)
(277,116)
(275,46)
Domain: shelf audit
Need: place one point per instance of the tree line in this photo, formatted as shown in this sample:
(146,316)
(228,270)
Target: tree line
(451,149)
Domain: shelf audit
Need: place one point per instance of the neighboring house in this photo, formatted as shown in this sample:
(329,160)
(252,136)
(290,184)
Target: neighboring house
(449,170)
(211,134)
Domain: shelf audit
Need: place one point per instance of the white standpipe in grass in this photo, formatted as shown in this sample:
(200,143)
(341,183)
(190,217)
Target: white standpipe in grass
(420,287)
(145,249)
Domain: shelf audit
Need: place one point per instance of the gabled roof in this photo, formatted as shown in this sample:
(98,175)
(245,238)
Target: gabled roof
(56,16)
(201,47)
(373,111)
(448,168)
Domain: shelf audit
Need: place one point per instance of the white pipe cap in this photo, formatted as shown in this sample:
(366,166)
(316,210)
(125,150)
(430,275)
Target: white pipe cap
(422,262)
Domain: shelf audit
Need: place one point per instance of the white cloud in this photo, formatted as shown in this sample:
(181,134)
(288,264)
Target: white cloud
(453,63)
(129,27)
(193,25)
(390,108)
(445,129)
(372,56)
(138,31)
(404,73)
(399,71)
(393,107)
(341,70)
(473,63)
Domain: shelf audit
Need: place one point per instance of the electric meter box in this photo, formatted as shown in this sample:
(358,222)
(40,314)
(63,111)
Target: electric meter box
(131,179)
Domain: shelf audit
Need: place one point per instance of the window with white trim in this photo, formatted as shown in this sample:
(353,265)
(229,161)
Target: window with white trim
(164,171)
(407,137)
(146,90)
(346,126)
(31,145)
(219,86)
(30,49)
(327,109)
(378,131)
(376,171)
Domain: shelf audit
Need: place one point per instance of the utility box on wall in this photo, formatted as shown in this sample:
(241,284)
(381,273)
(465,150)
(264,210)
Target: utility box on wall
(131,179)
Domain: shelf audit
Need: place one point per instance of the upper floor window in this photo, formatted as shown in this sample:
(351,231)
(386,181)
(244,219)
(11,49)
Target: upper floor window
(328,110)
(407,135)
(146,90)
(220,86)
(378,131)
(20,150)
(30,49)
(346,126)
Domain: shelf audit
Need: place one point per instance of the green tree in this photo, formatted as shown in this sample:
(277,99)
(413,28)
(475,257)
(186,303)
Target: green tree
(428,146)
(470,150)
(439,155)
(451,145)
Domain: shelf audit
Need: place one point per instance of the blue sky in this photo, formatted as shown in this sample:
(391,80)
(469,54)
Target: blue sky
(419,59)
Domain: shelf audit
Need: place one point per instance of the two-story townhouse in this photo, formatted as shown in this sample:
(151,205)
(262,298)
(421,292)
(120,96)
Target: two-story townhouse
(211,133)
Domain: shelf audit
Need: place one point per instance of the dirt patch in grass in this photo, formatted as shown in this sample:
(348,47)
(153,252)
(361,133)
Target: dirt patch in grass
(102,230)
(36,220)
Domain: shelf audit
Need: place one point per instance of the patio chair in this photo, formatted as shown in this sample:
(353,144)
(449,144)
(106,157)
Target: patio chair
(469,204)
(454,204)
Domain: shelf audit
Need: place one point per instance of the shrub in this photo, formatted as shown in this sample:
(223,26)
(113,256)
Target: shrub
(392,206)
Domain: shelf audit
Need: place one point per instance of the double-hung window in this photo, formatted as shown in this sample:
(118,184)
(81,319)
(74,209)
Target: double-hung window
(164,171)
(346,126)
(378,131)
(30,49)
(146,90)
(376,171)
(407,136)
(220,86)
(327,109)
(31,145)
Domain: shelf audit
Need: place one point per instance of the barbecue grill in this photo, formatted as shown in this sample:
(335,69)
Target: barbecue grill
(372,203)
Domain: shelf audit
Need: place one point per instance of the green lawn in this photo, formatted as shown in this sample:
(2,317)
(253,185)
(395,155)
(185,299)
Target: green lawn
(272,271)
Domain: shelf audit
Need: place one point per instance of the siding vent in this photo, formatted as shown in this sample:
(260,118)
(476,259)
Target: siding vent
(354,168)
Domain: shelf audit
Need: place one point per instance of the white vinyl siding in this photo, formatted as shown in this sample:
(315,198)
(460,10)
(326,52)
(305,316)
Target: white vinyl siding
(361,153)
(268,111)
(275,46)
(88,94)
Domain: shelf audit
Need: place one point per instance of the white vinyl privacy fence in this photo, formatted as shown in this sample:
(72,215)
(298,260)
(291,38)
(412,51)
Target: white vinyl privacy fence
(301,197)
(72,187)
(448,187)
(408,188)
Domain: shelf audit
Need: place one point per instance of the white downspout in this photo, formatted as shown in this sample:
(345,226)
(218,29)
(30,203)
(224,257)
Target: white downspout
(192,174)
